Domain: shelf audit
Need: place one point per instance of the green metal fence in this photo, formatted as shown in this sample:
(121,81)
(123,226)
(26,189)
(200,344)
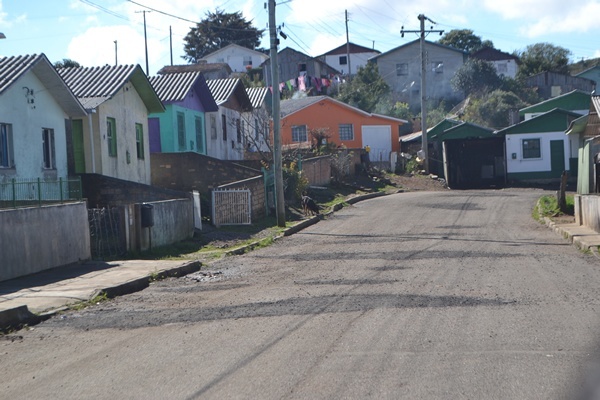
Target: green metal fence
(37,192)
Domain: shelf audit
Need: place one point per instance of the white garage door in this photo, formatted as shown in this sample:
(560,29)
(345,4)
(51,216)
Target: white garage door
(379,139)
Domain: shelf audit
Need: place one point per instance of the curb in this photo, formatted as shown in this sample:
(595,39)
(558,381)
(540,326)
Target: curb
(16,318)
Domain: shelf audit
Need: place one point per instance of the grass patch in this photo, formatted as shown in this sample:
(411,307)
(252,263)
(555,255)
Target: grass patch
(85,304)
(547,206)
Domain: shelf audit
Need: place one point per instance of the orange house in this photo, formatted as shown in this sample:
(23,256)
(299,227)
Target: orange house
(346,125)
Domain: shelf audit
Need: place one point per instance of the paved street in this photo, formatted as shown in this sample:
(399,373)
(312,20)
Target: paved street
(439,295)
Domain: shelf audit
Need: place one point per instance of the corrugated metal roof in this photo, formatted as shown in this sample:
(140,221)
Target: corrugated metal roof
(175,86)
(201,67)
(291,106)
(95,85)
(98,82)
(12,68)
(257,95)
(222,89)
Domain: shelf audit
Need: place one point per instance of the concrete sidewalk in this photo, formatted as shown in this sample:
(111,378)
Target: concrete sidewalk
(582,237)
(33,298)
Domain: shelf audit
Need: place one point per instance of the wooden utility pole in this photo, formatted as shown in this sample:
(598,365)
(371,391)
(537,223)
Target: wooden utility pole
(277,163)
(145,40)
(116,61)
(422,32)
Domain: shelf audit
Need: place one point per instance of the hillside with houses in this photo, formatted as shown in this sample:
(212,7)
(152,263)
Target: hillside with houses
(111,160)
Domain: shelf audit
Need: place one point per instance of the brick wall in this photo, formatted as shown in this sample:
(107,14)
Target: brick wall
(257,187)
(193,171)
(103,191)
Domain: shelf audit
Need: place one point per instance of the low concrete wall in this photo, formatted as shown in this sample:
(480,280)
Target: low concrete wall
(587,211)
(40,238)
(173,222)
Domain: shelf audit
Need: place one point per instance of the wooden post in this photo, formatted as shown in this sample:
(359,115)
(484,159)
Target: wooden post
(561,196)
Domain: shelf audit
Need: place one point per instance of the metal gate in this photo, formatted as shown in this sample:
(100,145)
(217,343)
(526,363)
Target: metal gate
(231,207)
(106,233)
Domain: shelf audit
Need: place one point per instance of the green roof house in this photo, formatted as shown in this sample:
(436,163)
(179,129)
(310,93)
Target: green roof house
(538,150)
(576,101)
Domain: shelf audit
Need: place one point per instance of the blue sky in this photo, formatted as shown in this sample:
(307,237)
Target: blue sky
(85,30)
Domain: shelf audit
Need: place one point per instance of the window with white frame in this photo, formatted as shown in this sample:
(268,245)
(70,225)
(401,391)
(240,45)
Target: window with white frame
(247,61)
(343,60)
(299,133)
(531,148)
(6,146)
(346,132)
(48,148)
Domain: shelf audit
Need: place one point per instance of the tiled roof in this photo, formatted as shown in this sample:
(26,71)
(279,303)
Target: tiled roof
(257,95)
(12,68)
(174,87)
(95,85)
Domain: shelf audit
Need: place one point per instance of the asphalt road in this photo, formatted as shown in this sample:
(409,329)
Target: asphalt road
(439,295)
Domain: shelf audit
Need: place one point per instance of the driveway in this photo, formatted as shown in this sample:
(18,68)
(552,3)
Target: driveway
(428,295)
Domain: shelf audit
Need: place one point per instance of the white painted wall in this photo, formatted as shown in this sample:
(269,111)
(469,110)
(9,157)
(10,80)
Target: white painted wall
(514,146)
(27,120)
(528,116)
(356,60)
(216,147)
(234,56)
(507,68)
(127,108)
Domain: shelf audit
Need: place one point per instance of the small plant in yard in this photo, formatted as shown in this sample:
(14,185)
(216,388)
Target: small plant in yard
(547,206)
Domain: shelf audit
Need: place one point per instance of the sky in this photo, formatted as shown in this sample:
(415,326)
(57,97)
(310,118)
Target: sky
(86,30)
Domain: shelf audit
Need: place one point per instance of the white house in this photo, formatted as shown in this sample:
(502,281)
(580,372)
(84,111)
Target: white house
(257,121)
(35,106)
(538,149)
(239,58)
(506,64)
(338,57)
(113,140)
(224,139)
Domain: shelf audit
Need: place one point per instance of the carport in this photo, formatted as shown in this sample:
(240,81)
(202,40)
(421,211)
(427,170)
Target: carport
(473,157)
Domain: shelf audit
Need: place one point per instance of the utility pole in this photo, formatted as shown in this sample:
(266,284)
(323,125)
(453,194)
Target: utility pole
(277,163)
(421,32)
(348,46)
(145,39)
(116,61)
(171,43)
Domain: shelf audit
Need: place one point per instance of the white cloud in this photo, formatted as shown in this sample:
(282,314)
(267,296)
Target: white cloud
(95,47)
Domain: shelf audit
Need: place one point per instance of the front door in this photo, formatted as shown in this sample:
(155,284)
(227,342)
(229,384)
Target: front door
(78,152)
(557,157)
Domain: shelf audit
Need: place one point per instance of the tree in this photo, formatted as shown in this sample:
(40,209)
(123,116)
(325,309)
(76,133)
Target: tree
(366,89)
(465,40)
(542,57)
(493,109)
(67,63)
(476,76)
(217,30)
